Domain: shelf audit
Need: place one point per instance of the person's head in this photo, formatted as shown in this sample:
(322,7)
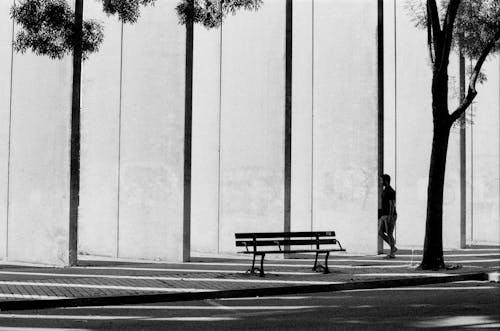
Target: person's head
(386,180)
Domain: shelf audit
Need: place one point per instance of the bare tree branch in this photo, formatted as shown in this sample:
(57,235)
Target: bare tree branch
(433,29)
(451,14)
(471,93)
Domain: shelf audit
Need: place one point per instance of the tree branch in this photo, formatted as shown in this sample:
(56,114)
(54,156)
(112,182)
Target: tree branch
(433,29)
(451,14)
(471,93)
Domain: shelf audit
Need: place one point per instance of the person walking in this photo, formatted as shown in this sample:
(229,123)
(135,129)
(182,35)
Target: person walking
(388,215)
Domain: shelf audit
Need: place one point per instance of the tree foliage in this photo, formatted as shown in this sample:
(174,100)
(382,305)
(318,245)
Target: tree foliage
(211,13)
(476,23)
(128,10)
(47,26)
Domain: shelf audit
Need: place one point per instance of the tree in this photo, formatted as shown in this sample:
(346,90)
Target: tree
(52,28)
(473,26)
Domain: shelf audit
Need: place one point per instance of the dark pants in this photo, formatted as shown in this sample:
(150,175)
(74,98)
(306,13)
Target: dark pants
(386,226)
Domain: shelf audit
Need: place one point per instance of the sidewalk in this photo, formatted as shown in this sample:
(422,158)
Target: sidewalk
(97,282)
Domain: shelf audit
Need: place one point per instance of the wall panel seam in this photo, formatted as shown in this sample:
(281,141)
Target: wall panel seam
(219,137)
(312,115)
(288,113)
(119,143)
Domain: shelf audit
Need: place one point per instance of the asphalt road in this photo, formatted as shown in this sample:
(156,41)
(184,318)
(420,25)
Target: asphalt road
(466,305)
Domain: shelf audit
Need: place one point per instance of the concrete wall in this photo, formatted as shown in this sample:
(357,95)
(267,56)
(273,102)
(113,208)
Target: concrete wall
(152,136)
(39,160)
(345,122)
(5,69)
(483,133)
(334,170)
(302,116)
(206,140)
(100,144)
(133,135)
(238,128)
(133,144)
(252,123)
(34,153)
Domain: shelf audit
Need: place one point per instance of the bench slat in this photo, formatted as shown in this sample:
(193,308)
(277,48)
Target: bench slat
(283,242)
(251,235)
(294,251)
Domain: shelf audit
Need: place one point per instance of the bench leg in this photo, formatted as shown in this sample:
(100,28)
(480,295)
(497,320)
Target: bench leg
(262,265)
(254,269)
(323,268)
(315,266)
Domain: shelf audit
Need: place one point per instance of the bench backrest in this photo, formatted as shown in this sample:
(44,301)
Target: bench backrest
(281,239)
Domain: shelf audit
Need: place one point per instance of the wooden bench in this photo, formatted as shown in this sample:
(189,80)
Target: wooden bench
(281,243)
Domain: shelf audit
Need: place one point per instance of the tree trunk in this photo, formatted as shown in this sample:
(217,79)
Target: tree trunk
(433,244)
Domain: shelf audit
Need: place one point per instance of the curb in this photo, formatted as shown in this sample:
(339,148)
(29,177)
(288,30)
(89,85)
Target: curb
(240,293)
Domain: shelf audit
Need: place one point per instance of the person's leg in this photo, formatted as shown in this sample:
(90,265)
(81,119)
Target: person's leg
(382,229)
(391,223)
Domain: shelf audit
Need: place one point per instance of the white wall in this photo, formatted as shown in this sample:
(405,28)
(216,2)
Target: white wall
(238,128)
(302,116)
(100,145)
(483,223)
(39,161)
(133,138)
(5,53)
(139,176)
(206,129)
(34,153)
(345,122)
(152,136)
(252,123)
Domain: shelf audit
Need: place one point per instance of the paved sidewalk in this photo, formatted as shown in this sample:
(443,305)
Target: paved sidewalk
(98,282)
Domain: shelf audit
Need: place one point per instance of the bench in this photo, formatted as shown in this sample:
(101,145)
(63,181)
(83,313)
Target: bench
(281,242)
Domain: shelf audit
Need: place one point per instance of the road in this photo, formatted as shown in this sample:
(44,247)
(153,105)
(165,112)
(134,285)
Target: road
(452,306)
